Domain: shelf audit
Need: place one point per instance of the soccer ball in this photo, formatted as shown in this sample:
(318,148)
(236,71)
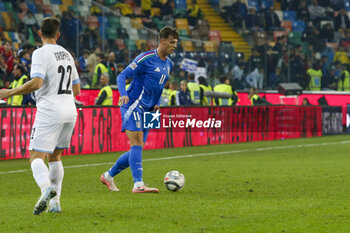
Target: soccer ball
(174,181)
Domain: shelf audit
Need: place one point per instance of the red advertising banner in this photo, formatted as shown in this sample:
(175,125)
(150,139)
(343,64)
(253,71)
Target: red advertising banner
(275,98)
(98,129)
(88,96)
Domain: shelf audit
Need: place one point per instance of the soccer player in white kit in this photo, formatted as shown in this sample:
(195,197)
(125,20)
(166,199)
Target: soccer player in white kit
(55,81)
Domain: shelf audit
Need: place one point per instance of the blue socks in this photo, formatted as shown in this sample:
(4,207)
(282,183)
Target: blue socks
(135,162)
(132,158)
(120,165)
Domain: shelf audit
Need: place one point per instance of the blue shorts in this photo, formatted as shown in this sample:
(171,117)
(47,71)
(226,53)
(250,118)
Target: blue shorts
(133,120)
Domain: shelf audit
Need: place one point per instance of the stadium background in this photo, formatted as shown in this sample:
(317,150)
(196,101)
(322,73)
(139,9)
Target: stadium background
(217,37)
(294,185)
(284,39)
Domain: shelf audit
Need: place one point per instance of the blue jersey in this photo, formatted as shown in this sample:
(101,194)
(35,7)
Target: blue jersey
(149,74)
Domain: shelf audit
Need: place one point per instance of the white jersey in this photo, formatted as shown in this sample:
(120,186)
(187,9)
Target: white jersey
(55,99)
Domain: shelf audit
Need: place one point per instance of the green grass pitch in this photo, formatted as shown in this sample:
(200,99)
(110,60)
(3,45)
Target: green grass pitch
(297,185)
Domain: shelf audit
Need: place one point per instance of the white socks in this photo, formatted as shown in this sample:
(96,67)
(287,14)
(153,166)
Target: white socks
(41,174)
(108,176)
(56,174)
(138,184)
(45,177)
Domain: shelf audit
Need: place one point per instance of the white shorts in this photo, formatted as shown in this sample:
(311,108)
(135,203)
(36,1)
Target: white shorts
(47,138)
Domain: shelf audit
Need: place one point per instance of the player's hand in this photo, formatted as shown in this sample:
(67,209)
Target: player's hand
(123,100)
(5,93)
(155,108)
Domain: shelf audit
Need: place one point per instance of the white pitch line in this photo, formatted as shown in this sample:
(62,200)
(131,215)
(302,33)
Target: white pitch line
(199,155)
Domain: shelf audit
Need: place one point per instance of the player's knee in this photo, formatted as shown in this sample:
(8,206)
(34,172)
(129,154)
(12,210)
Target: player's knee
(53,158)
(36,155)
(136,142)
(136,138)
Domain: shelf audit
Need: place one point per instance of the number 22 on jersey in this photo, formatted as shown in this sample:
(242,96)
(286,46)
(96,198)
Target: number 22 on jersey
(62,71)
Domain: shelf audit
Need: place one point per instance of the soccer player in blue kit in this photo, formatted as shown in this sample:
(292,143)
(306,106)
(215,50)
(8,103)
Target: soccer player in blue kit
(150,71)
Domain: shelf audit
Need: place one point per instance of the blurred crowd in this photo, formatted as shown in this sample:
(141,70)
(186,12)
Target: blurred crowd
(314,52)
(78,36)
(318,61)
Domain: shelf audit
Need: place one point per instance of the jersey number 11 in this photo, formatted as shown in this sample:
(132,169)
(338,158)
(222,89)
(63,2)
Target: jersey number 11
(162,78)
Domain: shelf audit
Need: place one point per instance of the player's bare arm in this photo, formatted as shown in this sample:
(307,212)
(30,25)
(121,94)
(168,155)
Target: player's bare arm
(122,99)
(76,89)
(33,85)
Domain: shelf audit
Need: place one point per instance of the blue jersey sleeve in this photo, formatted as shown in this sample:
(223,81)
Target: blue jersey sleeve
(127,73)
(158,102)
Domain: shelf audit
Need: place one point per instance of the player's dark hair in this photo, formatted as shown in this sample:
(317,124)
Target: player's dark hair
(168,31)
(49,27)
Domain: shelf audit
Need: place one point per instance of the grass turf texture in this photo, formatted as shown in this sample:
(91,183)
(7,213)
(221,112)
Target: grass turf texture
(293,189)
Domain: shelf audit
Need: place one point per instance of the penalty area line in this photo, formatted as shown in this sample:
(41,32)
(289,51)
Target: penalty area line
(199,155)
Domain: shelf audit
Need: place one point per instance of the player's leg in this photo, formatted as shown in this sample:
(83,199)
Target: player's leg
(39,169)
(145,136)
(135,158)
(130,119)
(107,177)
(40,146)
(135,162)
(56,171)
(56,174)
(121,164)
